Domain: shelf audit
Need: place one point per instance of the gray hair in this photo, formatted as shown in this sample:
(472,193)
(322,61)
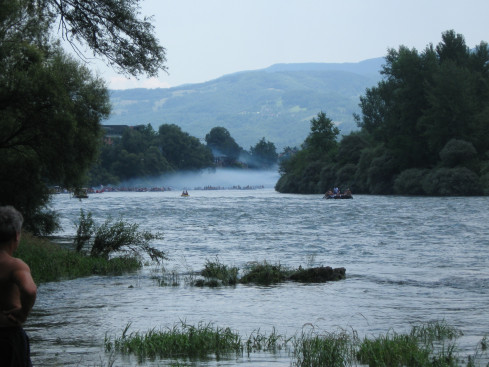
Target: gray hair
(10,223)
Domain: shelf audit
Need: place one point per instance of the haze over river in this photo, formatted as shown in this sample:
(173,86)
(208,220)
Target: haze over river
(408,260)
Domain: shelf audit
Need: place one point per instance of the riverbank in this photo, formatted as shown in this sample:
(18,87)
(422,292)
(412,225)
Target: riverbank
(51,262)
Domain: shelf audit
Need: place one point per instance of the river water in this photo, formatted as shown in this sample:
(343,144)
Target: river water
(408,260)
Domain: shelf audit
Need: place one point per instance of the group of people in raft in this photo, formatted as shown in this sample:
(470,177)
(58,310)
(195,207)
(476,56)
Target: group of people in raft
(336,194)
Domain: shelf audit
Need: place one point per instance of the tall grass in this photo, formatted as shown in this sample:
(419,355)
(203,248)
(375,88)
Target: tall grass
(330,349)
(216,273)
(182,341)
(51,262)
(309,349)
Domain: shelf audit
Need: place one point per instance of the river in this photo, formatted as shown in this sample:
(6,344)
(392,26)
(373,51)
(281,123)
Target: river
(408,260)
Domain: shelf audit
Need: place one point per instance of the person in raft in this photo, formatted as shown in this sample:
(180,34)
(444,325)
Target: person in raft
(17,292)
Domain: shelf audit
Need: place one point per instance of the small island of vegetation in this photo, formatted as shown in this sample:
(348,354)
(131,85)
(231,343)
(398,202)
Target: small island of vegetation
(424,130)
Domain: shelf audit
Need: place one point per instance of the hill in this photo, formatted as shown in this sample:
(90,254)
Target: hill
(276,103)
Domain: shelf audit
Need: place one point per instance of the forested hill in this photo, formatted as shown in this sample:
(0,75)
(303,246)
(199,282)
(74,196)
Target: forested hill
(276,103)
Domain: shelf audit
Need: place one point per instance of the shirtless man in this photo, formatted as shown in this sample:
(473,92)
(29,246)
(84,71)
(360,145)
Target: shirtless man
(17,292)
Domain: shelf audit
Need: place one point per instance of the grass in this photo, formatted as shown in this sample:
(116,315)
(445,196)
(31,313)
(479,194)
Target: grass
(331,349)
(310,349)
(265,273)
(51,262)
(216,273)
(181,341)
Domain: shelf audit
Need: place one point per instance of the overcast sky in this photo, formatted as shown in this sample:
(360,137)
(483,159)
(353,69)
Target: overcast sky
(206,39)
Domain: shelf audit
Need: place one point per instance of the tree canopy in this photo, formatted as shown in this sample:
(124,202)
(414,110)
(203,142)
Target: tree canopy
(424,129)
(51,105)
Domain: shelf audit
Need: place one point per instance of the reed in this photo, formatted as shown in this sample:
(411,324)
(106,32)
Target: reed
(216,273)
(51,262)
(330,349)
(181,341)
(429,344)
(309,349)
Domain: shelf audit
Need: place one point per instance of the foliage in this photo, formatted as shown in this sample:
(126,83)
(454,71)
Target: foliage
(264,273)
(50,262)
(263,154)
(111,29)
(182,151)
(182,340)
(427,345)
(301,173)
(114,237)
(330,349)
(51,105)
(215,270)
(142,152)
(423,128)
(457,152)
(452,182)
(220,141)
(410,182)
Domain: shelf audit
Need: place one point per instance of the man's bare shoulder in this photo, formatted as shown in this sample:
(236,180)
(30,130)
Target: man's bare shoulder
(10,265)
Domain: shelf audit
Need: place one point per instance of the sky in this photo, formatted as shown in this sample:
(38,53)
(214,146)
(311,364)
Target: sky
(206,39)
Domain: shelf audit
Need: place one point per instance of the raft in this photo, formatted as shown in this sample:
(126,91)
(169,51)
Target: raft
(338,196)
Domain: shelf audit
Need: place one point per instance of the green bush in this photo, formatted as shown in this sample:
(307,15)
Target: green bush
(381,174)
(452,182)
(114,237)
(458,153)
(410,182)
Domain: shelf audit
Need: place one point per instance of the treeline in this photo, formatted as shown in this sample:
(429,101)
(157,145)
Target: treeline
(424,130)
(143,152)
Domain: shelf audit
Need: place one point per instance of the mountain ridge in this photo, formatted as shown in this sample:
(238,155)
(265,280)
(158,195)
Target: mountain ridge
(276,102)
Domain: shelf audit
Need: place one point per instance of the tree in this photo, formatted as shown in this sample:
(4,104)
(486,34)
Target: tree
(50,105)
(50,113)
(111,29)
(302,172)
(182,150)
(321,142)
(220,141)
(264,154)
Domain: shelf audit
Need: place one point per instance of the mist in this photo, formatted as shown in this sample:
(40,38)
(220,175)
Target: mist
(220,177)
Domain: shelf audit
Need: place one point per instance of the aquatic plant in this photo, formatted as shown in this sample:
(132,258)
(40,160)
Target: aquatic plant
(264,273)
(183,340)
(258,341)
(329,349)
(309,349)
(217,273)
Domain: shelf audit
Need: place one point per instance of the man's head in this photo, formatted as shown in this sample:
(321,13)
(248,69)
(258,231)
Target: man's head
(10,224)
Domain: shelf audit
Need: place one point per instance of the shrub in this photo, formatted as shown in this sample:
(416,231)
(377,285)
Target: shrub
(452,181)
(381,174)
(457,153)
(410,182)
(113,237)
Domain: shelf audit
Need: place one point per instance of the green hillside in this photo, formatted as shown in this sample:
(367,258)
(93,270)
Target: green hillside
(276,103)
